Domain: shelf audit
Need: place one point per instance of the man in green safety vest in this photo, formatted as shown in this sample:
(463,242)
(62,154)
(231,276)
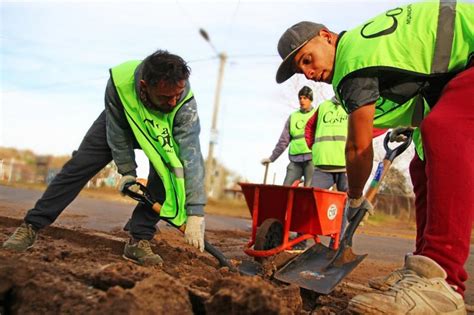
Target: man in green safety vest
(293,134)
(149,105)
(326,134)
(409,66)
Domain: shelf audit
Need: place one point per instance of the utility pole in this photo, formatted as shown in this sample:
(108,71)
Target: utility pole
(210,165)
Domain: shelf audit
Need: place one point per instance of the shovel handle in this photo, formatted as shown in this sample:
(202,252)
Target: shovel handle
(391,154)
(384,166)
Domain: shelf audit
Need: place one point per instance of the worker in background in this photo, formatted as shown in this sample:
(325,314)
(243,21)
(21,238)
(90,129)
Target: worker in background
(293,134)
(325,134)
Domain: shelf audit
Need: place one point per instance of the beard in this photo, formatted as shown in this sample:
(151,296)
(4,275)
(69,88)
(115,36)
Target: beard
(165,109)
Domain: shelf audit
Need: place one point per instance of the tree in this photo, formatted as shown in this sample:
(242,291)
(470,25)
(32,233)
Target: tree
(395,183)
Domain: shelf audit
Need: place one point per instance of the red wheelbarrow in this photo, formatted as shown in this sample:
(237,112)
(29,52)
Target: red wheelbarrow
(278,210)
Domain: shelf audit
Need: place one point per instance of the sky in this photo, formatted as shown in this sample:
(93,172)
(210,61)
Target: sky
(55,57)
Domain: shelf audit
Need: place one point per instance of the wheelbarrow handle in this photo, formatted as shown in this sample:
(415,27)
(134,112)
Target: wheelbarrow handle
(266,173)
(391,154)
(144,196)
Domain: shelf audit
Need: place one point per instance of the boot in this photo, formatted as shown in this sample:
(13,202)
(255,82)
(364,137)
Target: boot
(139,252)
(23,238)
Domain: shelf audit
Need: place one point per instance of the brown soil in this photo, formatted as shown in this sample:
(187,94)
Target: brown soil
(82,272)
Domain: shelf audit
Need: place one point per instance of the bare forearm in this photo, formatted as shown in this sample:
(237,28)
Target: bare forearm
(359,165)
(359,151)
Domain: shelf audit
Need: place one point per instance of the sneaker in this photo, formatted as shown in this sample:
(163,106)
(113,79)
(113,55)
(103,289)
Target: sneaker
(385,282)
(140,252)
(23,238)
(422,290)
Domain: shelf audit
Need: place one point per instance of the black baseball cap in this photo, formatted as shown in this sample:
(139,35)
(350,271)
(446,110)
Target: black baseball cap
(290,42)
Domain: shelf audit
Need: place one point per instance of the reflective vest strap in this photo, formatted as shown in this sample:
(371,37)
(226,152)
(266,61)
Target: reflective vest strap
(444,37)
(297,137)
(330,138)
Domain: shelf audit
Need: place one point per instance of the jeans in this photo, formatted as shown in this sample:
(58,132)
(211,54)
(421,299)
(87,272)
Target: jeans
(295,170)
(325,180)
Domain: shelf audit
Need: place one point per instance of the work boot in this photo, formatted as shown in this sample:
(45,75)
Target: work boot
(384,283)
(139,251)
(23,238)
(422,290)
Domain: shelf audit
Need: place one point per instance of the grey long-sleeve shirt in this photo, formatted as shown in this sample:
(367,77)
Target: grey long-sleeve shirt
(186,129)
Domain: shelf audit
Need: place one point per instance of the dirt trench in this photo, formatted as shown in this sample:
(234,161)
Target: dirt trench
(75,271)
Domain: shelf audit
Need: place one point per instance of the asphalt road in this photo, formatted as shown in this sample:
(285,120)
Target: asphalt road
(106,216)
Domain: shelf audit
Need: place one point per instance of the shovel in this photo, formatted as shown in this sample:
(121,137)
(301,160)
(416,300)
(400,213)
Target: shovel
(144,196)
(321,268)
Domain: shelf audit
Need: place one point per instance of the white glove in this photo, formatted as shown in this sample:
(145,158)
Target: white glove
(128,179)
(397,134)
(194,233)
(265,161)
(359,203)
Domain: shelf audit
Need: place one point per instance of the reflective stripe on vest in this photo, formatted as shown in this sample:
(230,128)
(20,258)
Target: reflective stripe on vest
(153,131)
(424,39)
(298,122)
(330,137)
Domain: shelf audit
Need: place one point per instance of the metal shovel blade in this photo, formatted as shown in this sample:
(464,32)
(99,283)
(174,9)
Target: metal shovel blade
(250,268)
(314,269)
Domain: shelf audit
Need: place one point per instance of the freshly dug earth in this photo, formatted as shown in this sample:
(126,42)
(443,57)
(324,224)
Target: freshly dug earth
(82,272)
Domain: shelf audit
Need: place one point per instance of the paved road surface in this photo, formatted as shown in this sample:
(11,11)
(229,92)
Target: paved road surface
(103,215)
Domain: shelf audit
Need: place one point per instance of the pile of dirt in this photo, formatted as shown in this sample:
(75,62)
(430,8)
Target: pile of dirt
(79,271)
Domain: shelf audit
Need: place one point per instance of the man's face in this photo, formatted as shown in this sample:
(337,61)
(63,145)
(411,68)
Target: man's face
(316,59)
(164,96)
(305,102)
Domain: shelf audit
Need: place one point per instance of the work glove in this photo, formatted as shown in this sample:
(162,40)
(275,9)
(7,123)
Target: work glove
(194,233)
(397,134)
(265,161)
(130,182)
(356,204)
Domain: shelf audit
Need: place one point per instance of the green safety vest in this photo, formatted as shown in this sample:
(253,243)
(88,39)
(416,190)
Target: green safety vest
(153,131)
(331,134)
(298,122)
(427,39)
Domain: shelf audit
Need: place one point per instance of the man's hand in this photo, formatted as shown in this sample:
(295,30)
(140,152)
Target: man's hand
(265,161)
(194,233)
(128,181)
(398,134)
(356,204)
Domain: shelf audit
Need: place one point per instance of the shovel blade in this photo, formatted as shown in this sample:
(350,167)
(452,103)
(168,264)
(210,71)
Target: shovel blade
(250,268)
(314,271)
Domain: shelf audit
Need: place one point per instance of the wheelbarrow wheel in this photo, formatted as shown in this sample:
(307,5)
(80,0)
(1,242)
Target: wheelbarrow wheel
(269,235)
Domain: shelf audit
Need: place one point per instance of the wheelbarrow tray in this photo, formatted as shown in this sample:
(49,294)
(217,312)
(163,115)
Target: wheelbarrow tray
(300,209)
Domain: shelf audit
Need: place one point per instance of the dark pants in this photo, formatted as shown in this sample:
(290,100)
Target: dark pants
(325,180)
(92,155)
